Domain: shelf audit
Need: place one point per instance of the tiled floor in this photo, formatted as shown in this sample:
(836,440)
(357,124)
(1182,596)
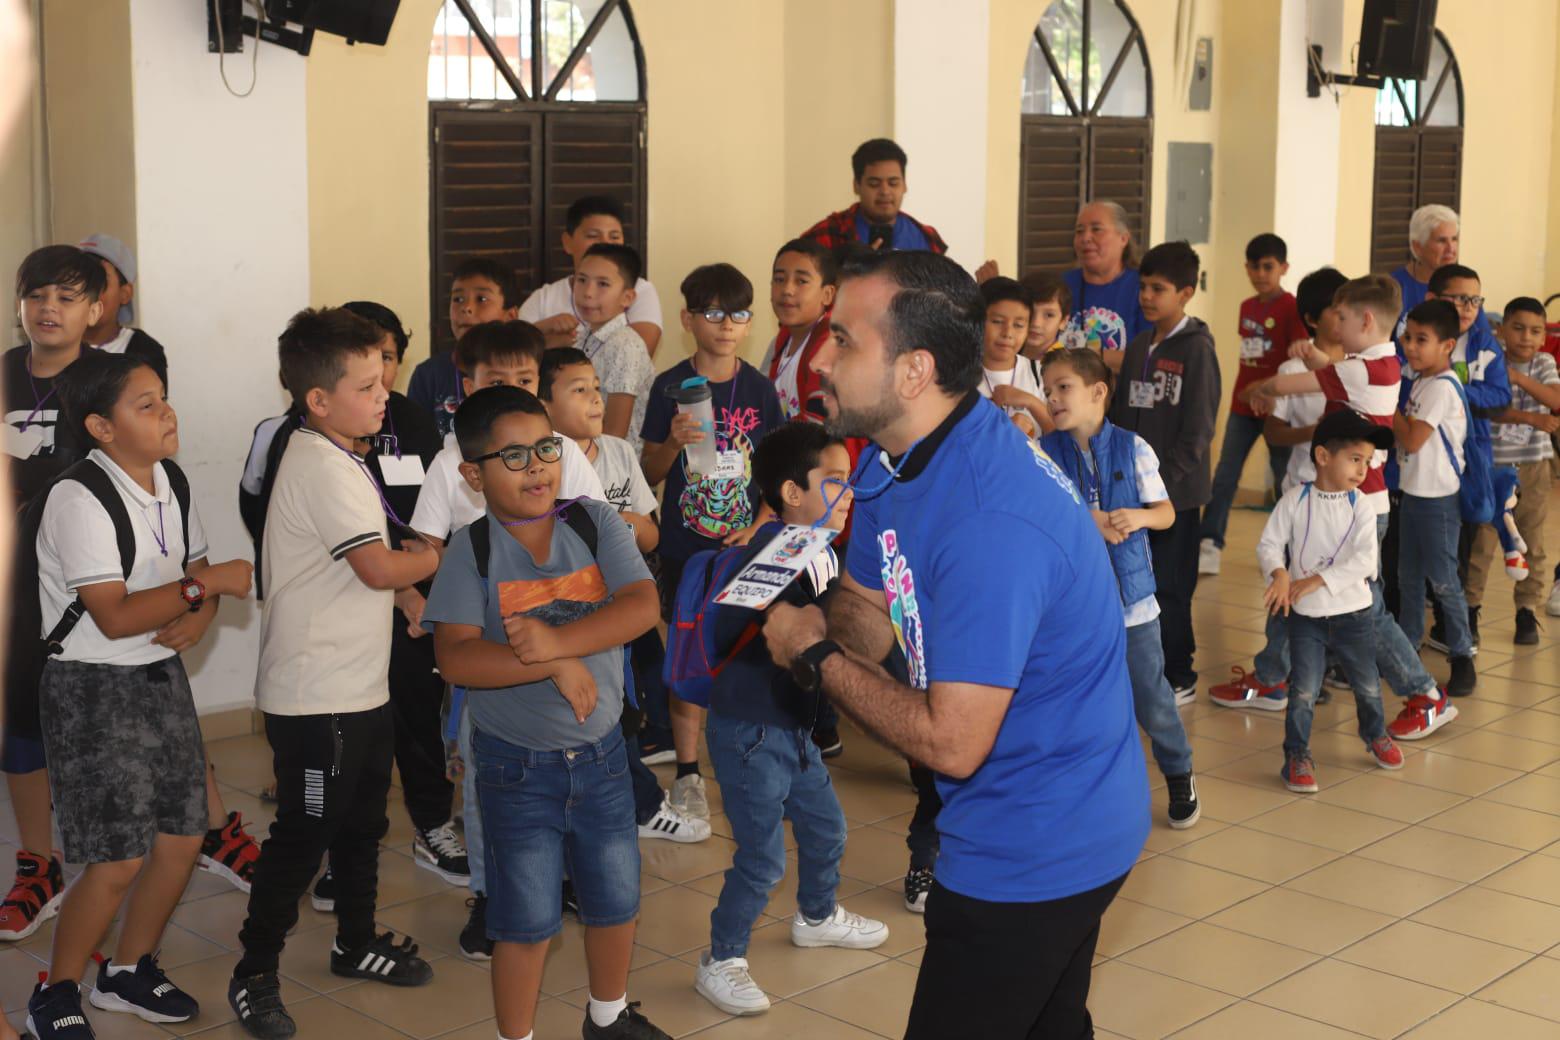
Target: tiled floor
(1423,903)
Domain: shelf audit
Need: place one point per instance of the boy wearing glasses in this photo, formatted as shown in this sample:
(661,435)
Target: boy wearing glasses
(536,637)
(711,510)
(603,292)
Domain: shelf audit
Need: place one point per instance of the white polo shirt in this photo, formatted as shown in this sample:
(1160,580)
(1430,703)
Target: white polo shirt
(77,547)
(557,298)
(447,503)
(324,635)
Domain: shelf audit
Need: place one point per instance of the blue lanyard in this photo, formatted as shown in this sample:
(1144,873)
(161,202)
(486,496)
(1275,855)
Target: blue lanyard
(855,478)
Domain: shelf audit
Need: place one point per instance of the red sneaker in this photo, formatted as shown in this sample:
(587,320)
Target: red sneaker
(1299,774)
(1386,753)
(1422,716)
(1244,691)
(230,852)
(34,898)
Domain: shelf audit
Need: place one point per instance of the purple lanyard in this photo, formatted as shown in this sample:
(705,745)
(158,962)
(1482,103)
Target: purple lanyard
(161,534)
(383,501)
(1328,560)
(39,402)
(554,512)
(390,438)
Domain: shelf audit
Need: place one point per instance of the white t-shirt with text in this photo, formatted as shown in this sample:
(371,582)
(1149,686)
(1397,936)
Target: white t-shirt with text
(1429,472)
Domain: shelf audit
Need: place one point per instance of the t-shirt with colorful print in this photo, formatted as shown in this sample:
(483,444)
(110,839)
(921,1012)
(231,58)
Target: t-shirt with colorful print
(1104,317)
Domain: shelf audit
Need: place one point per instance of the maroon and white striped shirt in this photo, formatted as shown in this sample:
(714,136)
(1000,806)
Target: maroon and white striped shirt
(1368,382)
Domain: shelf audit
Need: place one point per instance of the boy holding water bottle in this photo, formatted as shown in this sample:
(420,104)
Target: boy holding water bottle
(707,502)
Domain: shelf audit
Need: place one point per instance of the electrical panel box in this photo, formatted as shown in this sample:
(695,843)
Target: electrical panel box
(1200,95)
(1189,189)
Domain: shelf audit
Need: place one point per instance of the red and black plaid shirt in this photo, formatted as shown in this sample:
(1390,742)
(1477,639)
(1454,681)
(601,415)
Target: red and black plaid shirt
(837,229)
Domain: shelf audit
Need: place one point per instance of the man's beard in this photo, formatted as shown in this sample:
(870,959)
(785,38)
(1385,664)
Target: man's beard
(865,422)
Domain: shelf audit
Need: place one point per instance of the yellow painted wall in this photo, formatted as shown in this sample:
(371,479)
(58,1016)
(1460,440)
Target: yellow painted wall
(18,233)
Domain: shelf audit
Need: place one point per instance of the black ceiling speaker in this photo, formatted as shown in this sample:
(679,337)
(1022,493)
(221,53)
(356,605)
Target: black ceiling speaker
(360,21)
(1395,37)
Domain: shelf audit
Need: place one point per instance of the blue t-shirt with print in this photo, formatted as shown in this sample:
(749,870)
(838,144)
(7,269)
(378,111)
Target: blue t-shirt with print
(907,233)
(700,515)
(435,384)
(1104,317)
(995,574)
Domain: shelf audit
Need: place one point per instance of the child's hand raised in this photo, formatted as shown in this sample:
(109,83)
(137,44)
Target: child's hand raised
(533,641)
(1107,529)
(577,685)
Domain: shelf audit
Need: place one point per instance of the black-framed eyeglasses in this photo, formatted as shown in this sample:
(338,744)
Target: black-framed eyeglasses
(715,316)
(1465,301)
(516,457)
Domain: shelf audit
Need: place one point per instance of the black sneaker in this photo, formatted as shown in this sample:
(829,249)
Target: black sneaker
(1185,810)
(440,850)
(383,960)
(1463,679)
(571,902)
(1527,628)
(54,1013)
(918,884)
(323,898)
(257,1001)
(828,741)
(474,941)
(145,992)
(630,1025)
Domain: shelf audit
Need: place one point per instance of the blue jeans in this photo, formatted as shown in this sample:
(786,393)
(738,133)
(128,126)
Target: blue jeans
(547,811)
(1273,658)
(1350,639)
(1397,657)
(768,774)
(1240,433)
(1153,700)
(1427,542)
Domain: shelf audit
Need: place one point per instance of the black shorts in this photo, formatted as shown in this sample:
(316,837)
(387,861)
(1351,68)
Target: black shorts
(126,762)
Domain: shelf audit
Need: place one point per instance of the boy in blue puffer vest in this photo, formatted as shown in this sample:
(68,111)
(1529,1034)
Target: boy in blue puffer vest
(1117,473)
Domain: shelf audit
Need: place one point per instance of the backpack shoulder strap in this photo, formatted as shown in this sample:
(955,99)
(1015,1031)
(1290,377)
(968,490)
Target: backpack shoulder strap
(1034,370)
(583,524)
(481,546)
(96,480)
(179,484)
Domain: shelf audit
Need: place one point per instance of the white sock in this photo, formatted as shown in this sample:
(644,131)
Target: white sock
(606,1012)
(115,969)
(529,1036)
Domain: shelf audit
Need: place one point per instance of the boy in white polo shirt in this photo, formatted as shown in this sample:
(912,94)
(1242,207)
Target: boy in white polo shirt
(330,582)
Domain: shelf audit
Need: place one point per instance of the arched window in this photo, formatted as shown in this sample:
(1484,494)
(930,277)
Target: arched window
(1087,127)
(1419,142)
(514,140)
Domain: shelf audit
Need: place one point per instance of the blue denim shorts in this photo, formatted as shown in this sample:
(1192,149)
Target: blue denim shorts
(544,812)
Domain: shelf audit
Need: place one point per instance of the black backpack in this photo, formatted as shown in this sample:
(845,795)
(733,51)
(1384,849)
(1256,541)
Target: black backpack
(573,514)
(28,647)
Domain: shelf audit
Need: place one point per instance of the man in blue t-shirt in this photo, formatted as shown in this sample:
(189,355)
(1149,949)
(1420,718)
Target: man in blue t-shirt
(974,553)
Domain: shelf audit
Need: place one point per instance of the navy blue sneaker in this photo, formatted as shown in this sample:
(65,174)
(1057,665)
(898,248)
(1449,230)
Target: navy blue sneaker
(54,1013)
(145,992)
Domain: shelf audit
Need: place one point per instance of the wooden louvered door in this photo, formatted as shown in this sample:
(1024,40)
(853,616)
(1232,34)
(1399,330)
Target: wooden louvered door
(1415,166)
(592,152)
(1067,161)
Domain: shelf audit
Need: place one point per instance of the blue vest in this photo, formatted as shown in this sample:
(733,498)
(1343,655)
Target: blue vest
(1118,489)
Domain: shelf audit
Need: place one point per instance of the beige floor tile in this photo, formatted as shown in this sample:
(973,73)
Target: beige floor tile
(875,855)
(1145,1005)
(877,999)
(1503,824)
(1302,920)
(1533,989)
(1162,837)
(465,996)
(1534,791)
(913,958)
(1209,754)
(1254,854)
(674,920)
(784,970)
(785,1021)
(1261,770)
(1331,827)
(1219,959)
(1501,750)
(1233,802)
(1376,794)
(1535,877)
(218,918)
(871,796)
(1351,997)
(18,975)
(1501,918)
(1532,725)
(1434,956)
(1128,924)
(178,947)
(1472,1019)
(1526,678)
(1189,889)
(1245,1020)
(1252,729)
(1440,853)
(553,1018)
(782,901)
(677,862)
(1374,886)
(435,921)
(1430,768)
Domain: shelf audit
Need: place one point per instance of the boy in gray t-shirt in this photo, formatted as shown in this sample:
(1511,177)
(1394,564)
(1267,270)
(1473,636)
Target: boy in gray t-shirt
(538,645)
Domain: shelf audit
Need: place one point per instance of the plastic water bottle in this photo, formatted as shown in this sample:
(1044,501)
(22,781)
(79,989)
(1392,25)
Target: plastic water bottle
(695,398)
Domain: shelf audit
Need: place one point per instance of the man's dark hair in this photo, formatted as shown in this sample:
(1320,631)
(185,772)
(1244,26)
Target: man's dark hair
(1440,316)
(624,258)
(92,385)
(315,346)
(1046,287)
(582,209)
(386,319)
(995,290)
(1315,294)
(1524,305)
(789,452)
(879,149)
(717,285)
(937,309)
(1267,245)
(554,360)
(1448,272)
(65,266)
(823,258)
(477,415)
(1176,262)
(497,341)
(502,277)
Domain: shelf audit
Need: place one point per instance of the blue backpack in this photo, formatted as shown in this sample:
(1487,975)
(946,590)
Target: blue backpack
(692,659)
(1476,490)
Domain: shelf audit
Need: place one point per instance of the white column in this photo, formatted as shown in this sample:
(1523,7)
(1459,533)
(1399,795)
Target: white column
(1305,182)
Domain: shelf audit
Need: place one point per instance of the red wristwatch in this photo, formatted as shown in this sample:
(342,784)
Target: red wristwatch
(194,593)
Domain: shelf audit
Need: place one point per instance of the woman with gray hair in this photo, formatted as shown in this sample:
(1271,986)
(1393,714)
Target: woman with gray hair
(1433,233)
(1104,285)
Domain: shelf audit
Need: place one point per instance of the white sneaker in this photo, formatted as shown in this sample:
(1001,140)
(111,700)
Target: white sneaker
(672,825)
(1185,695)
(1553,606)
(841,928)
(1208,557)
(728,986)
(688,797)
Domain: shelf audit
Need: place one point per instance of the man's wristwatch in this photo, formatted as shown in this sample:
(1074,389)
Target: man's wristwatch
(807,668)
(194,593)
